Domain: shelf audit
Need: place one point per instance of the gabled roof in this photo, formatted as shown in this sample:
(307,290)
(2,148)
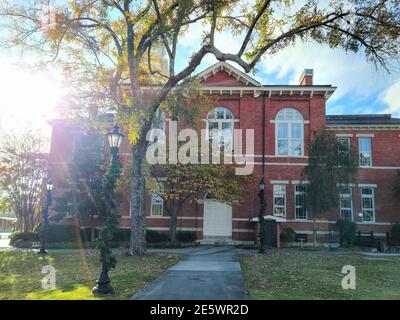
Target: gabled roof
(231,70)
(362,119)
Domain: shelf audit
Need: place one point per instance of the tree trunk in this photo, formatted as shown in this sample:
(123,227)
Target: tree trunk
(172,227)
(138,217)
(314,231)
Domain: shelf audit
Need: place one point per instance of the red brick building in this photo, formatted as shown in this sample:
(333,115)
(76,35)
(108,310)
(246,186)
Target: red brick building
(287,115)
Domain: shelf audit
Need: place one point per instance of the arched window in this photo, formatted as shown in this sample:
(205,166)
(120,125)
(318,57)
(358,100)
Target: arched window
(289,128)
(220,127)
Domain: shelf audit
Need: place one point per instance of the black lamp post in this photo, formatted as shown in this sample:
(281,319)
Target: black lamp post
(107,261)
(261,196)
(45,215)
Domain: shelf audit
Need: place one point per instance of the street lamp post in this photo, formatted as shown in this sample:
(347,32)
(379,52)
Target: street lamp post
(261,196)
(45,216)
(110,220)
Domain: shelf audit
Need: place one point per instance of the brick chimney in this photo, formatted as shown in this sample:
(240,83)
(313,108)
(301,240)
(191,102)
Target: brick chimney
(306,78)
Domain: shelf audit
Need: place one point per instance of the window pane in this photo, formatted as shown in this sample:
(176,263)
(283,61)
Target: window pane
(366,191)
(279,211)
(368,215)
(345,142)
(365,145)
(156,210)
(296,148)
(346,214)
(279,201)
(227,125)
(296,131)
(345,202)
(365,159)
(283,131)
(282,147)
(278,188)
(228,115)
(220,113)
(367,203)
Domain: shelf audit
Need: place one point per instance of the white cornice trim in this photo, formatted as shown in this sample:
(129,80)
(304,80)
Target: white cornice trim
(365,135)
(362,127)
(344,135)
(220,66)
(367,185)
(279,181)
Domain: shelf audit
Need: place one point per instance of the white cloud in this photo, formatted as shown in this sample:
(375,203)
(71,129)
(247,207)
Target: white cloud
(392,98)
(349,72)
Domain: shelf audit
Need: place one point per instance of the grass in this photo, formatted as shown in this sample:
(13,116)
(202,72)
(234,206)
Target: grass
(76,274)
(311,276)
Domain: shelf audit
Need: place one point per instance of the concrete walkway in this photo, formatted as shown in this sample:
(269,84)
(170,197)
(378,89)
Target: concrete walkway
(205,273)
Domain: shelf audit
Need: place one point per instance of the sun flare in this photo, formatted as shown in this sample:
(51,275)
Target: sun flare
(28,98)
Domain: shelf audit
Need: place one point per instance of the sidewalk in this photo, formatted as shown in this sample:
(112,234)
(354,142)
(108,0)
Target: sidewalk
(205,273)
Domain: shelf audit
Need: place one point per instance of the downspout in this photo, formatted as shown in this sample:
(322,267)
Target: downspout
(263,135)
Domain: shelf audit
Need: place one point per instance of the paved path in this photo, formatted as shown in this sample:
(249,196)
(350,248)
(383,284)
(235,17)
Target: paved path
(205,273)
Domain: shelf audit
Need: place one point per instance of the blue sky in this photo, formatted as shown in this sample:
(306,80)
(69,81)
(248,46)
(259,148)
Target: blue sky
(360,87)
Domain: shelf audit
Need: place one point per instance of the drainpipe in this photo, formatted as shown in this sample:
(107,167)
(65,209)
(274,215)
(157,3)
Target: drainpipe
(263,135)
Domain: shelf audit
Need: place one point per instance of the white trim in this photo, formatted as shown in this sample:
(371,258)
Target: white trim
(299,182)
(243,230)
(300,193)
(346,195)
(306,121)
(240,219)
(151,206)
(372,196)
(344,135)
(370,151)
(289,139)
(351,185)
(279,181)
(178,229)
(277,195)
(179,218)
(367,185)
(221,66)
(365,135)
(362,127)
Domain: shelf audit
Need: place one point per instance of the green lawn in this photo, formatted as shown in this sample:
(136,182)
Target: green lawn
(76,274)
(312,276)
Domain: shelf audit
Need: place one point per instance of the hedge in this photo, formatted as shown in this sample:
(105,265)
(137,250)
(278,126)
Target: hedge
(186,236)
(156,236)
(23,237)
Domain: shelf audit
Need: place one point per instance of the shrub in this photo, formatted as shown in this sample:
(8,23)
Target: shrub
(155,236)
(186,236)
(347,231)
(23,237)
(122,235)
(395,232)
(86,234)
(59,233)
(288,235)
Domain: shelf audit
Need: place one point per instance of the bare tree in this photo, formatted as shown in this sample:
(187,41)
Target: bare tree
(23,169)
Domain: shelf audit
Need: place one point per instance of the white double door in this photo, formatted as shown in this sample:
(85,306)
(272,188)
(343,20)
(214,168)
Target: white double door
(217,220)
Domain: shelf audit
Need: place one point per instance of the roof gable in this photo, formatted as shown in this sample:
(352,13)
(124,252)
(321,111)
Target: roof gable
(223,74)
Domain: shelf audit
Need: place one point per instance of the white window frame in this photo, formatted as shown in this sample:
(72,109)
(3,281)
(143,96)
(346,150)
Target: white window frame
(348,139)
(220,123)
(156,194)
(289,138)
(346,195)
(368,196)
(370,151)
(299,193)
(277,194)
